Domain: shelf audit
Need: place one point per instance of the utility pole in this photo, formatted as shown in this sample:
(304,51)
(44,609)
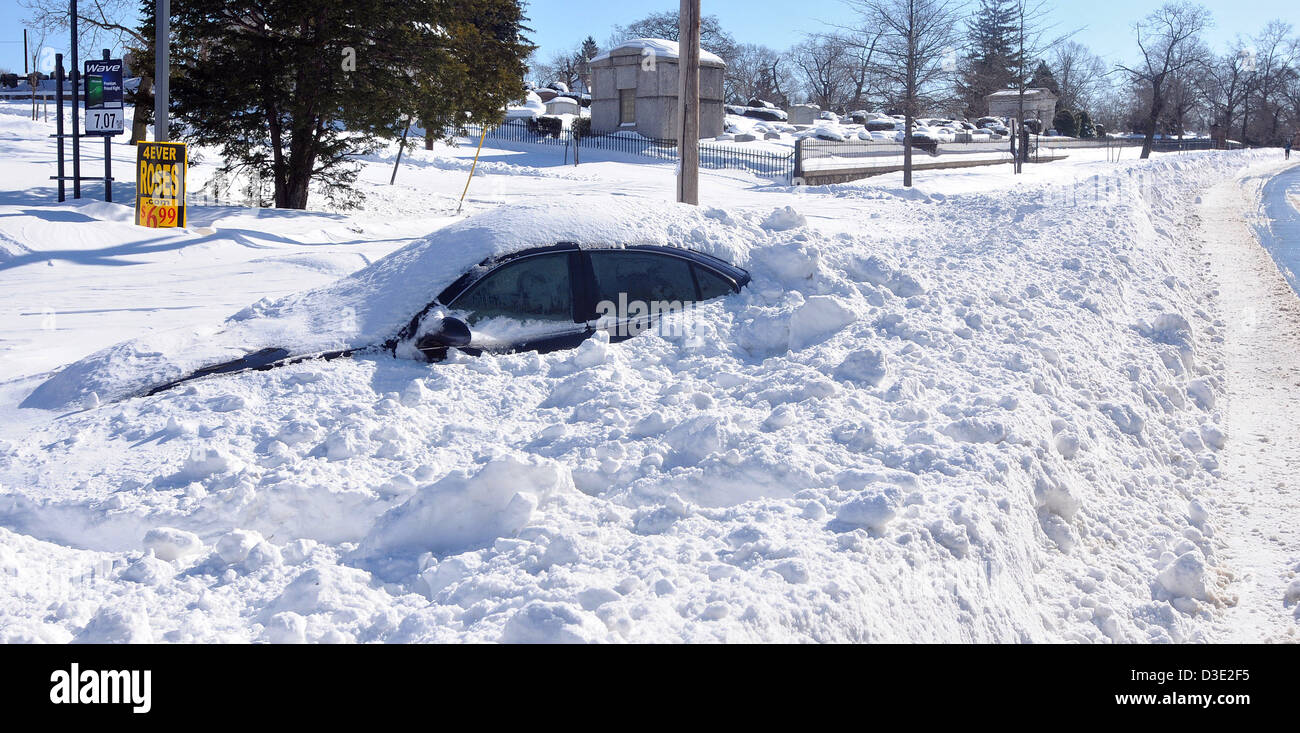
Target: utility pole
(688,103)
(161,69)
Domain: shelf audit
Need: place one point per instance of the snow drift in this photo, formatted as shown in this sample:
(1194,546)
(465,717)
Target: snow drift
(938,417)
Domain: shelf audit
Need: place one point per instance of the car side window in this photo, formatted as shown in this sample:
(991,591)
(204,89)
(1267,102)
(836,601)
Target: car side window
(527,289)
(712,285)
(644,276)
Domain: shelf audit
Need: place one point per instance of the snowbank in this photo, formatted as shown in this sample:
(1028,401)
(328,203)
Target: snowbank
(938,417)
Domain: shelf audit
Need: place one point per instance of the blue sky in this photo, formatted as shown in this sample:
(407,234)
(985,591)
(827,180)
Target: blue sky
(560,24)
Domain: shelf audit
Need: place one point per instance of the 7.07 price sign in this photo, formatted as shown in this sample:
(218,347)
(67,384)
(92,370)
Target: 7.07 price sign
(103,95)
(160,184)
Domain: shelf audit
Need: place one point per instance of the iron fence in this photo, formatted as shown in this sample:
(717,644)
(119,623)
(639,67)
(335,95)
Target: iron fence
(810,154)
(1160,145)
(815,154)
(577,147)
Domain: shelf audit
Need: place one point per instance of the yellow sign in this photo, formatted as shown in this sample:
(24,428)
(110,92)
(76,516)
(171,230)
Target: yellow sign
(160,184)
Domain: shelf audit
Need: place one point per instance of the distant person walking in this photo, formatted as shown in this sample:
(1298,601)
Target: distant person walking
(1294,142)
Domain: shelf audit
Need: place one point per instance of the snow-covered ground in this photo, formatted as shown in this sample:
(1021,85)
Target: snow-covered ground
(991,408)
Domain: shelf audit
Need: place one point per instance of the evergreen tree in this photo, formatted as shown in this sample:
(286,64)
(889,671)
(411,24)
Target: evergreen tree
(1086,128)
(992,58)
(586,52)
(589,49)
(294,90)
(1043,79)
(140,57)
(1066,123)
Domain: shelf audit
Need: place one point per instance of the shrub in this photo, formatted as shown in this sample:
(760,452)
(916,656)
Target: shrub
(546,126)
(1066,123)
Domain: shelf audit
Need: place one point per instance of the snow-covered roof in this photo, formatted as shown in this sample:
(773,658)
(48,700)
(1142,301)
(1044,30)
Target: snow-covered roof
(661,48)
(372,305)
(1030,93)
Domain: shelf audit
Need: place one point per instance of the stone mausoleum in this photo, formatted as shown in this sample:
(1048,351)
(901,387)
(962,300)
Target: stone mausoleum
(1040,104)
(634,88)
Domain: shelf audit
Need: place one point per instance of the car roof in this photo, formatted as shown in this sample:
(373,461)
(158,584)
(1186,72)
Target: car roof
(736,274)
(476,273)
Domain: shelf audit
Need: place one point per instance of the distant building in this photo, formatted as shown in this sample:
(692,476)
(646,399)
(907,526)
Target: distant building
(634,87)
(563,106)
(1040,104)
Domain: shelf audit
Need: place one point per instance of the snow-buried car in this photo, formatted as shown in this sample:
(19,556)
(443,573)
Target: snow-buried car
(523,279)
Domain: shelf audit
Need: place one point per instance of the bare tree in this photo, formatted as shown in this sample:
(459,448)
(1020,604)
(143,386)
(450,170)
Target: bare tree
(105,23)
(820,64)
(1274,64)
(667,26)
(1292,93)
(915,51)
(859,62)
(563,66)
(1167,41)
(1183,96)
(1078,73)
(98,21)
(1224,82)
(1030,41)
(758,72)
(36,44)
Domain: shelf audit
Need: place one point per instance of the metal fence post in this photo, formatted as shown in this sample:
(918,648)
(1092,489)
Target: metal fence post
(798,173)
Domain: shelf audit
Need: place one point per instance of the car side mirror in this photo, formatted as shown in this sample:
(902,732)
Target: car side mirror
(449,333)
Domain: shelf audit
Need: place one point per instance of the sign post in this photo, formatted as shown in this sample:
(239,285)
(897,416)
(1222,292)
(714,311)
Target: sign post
(58,122)
(76,105)
(160,184)
(161,69)
(104,110)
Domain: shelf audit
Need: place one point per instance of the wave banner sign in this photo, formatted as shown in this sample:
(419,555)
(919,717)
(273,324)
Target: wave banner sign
(160,184)
(103,93)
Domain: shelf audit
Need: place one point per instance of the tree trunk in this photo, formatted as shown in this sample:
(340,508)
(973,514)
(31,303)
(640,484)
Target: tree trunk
(907,150)
(1245,118)
(298,178)
(299,184)
(279,171)
(1149,139)
(1023,142)
(143,110)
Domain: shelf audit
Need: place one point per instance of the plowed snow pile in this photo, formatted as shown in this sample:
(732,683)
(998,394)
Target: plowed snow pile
(986,417)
